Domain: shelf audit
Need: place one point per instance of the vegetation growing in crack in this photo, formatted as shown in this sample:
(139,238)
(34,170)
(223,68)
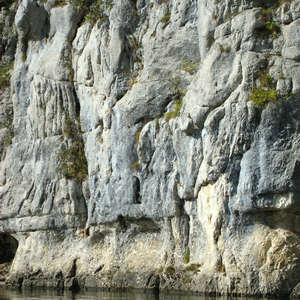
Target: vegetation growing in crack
(195,268)
(166,18)
(189,66)
(73,163)
(5,75)
(98,11)
(225,49)
(269,26)
(95,10)
(8,125)
(265,92)
(186,258)
(132,81)
(170,270)
(178,95)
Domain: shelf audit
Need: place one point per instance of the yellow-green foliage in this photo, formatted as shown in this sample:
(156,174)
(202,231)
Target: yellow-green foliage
(187,280)
(178,95)
(166,18)
(73,163)
(137,136)
(5,75)
(221,269)
(132,81)
(135,165)
(186,258)
(270,27)
(170,270)
(225,49)
(174,113)
(189,66)
(193,268)
(98,11)
(265,93)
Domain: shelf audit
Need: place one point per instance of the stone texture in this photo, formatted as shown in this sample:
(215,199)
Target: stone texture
(203,197)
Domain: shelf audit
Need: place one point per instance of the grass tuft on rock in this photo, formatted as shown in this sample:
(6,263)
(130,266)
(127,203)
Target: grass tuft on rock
(265,92)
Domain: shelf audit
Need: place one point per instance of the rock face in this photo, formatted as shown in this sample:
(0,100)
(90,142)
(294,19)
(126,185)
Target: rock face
(136,159)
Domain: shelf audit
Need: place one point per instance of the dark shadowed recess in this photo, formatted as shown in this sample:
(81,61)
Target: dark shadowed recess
(8,248)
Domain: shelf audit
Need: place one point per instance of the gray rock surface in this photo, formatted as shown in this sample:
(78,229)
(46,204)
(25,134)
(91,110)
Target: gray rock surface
(136,159)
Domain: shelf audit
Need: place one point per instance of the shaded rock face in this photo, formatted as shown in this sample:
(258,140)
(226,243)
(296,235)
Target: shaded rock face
(137,160)
(8,249)
(9,246)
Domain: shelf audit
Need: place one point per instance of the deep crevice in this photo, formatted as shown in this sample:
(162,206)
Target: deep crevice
(8,249)
(136,191)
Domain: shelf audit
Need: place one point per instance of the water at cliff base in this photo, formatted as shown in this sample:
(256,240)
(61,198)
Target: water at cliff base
(7,294)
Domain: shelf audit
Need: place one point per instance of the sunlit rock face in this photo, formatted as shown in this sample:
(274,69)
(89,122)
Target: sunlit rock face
(155,144)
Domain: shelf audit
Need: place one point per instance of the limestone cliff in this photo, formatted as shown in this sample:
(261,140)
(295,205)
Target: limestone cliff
(152,144)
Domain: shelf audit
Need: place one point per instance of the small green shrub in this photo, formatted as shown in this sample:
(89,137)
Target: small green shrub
(170,270)
(98,11)
(132,81)
(221,269)
(189,66)
(225,49)
(73,163)
(265,93)
(166,18)
(270,27)
(193,268)
(187,280)
(261,96)
(135,165)
(174,113)
(178,95)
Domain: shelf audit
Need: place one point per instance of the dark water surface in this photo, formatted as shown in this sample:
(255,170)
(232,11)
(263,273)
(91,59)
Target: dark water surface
(6,294)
